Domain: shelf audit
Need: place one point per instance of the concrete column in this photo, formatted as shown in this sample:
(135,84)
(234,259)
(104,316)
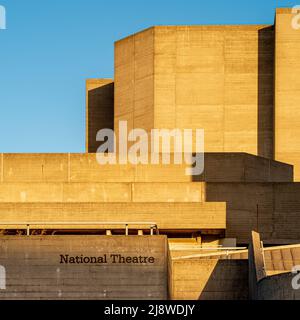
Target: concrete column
(287,89)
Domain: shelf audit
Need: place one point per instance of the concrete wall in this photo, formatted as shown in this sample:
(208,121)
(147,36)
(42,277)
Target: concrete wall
(208,279)
(34,269)
(238,167)
(270,208)
(219,78)
(170,216)
(256,265)
(99,110)
(82,168)
(276,286)
(76,179)
(101,192)
(287,91)
(134,80)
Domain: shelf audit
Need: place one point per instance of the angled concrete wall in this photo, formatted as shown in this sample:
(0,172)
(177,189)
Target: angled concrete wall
(134,80)
(219,78)
(266,286)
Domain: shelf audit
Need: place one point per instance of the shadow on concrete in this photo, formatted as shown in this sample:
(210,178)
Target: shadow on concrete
(247,208)
(266,62)
(228,281)
(100,113)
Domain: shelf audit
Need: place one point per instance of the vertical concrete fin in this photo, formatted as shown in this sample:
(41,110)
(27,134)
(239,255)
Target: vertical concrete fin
(257,270)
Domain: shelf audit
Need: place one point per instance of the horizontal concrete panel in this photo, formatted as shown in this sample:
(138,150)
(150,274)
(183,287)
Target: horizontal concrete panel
(96,192)
(191,216)
(83,168)
(35,167)
(31,192)
(102,192)
(229,167)
(34,268)
(168,192)
(86,168)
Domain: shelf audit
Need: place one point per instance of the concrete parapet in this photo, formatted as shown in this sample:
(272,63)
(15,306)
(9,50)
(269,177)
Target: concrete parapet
(82,267)
(167,216)
(222,167)
(101,192)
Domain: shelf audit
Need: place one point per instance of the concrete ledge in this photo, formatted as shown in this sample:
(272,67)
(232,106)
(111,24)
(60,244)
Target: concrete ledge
(218,167)
(102,192)
(167,216)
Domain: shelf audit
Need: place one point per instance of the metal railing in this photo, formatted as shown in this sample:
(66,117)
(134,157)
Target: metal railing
(77,225)
(224,251)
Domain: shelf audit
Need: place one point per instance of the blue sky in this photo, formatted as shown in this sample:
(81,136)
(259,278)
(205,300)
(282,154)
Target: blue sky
(50,47)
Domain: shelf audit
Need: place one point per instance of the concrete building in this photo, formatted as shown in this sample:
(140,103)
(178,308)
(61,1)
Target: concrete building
(238,83)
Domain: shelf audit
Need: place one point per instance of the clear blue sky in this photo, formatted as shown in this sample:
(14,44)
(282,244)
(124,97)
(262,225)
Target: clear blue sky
(51,46)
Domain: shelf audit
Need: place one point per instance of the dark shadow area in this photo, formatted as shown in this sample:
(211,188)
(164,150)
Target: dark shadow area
(242,167)
(228,281)
(249,207)
(270,209)
(100,114)
(266,61)
(245,183)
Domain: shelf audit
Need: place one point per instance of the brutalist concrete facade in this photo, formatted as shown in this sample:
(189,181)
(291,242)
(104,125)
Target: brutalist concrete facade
(238,83)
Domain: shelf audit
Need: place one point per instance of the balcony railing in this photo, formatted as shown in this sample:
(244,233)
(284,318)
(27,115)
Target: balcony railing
(78,225)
